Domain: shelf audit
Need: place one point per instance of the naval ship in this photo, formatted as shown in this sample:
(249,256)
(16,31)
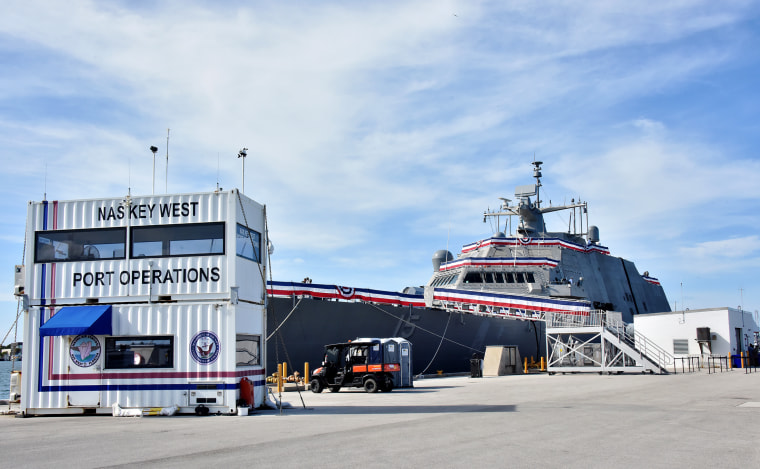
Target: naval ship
(494,292)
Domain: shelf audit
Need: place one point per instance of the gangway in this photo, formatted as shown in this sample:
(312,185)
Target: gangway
(597,341)
(578,339)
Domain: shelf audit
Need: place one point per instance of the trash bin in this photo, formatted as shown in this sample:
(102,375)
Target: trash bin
(737,361)
(475,368)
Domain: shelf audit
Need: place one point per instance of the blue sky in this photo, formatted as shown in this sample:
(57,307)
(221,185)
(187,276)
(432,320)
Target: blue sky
(378,132)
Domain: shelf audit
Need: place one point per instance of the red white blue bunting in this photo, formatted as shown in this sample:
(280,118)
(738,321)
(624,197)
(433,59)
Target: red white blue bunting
(518,302)
(288,289)
(500,261)
(538,242)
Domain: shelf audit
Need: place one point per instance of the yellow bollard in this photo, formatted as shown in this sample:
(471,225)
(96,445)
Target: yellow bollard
(730,365)
(279,378)
(543,364)
(285,371)
(526,365)
(306,375)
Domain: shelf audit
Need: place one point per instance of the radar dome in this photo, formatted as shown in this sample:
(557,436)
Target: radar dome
(593,234)
(499,234)
(439,257)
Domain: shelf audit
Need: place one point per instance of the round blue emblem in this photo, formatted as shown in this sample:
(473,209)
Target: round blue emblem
(204,348)
(84,350)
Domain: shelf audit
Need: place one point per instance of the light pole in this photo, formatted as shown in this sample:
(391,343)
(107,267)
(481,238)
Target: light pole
(242,154)
(154,150)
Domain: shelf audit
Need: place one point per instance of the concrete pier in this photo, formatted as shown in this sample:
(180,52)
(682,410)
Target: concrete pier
(583,420)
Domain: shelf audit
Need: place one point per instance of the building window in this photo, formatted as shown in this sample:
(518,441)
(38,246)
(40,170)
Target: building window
(247,350)
(680,346)
(79,245)
(248,243)
(193,239)
(140,352)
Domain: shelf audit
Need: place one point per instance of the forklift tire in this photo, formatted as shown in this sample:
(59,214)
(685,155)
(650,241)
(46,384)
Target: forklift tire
(334,388)
(370,385)
(316,386)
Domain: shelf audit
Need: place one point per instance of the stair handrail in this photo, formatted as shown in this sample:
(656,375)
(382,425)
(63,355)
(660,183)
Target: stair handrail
(642,344)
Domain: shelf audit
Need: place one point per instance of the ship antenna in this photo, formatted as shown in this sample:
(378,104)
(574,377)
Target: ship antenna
(44,193)
(537,175)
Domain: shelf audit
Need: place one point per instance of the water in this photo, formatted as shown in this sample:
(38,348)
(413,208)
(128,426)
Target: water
(5,377)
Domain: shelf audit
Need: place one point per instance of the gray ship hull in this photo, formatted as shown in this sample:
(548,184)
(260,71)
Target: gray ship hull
(315,322)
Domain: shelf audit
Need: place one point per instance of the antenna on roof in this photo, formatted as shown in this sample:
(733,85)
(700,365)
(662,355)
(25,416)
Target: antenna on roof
(129,177)
(154,150)
(166,188)
(217,171)
(242,154)
(44,193)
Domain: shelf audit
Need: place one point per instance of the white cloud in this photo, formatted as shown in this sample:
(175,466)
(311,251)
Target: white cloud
(383,127)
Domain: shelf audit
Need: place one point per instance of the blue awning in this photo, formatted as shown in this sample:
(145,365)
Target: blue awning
(78,320)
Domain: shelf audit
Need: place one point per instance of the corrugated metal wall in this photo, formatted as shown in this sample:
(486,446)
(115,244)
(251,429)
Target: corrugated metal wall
(200,283)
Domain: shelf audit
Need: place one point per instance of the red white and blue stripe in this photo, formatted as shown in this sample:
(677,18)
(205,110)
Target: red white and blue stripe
(519,302)
(500,262)
(288,289)
(651,280)
(535,242)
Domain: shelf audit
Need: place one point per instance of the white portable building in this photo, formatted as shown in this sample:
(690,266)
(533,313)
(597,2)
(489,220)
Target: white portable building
(700,332)
(145,302)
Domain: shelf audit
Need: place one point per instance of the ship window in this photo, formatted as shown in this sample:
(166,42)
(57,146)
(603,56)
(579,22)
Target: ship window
(453,279)
(529,277)
(247,350)
(499,277)
(510,277)
(194,239)
(473,277)
(79,245)
(248,243)
(489,277)
(140,352)
(520,277)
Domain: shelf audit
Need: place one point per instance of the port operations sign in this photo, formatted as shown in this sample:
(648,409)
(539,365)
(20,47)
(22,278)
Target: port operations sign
(157,245)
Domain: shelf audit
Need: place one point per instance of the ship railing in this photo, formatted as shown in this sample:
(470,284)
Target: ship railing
(567,319)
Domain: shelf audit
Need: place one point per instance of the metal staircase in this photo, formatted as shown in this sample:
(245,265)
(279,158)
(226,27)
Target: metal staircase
(577,340)
(597,341)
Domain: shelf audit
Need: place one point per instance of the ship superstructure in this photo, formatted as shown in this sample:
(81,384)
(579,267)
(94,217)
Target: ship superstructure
(538,266)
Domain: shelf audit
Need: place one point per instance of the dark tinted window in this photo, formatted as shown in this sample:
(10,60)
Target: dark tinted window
(79,245)
(178,240)
(140,352)
(473,277)
(248,243)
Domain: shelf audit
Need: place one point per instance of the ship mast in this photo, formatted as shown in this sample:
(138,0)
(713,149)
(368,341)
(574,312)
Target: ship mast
(530,212)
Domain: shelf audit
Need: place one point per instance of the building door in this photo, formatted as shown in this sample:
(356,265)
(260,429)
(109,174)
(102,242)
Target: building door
(406,364)
(738,339)
(84,370)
